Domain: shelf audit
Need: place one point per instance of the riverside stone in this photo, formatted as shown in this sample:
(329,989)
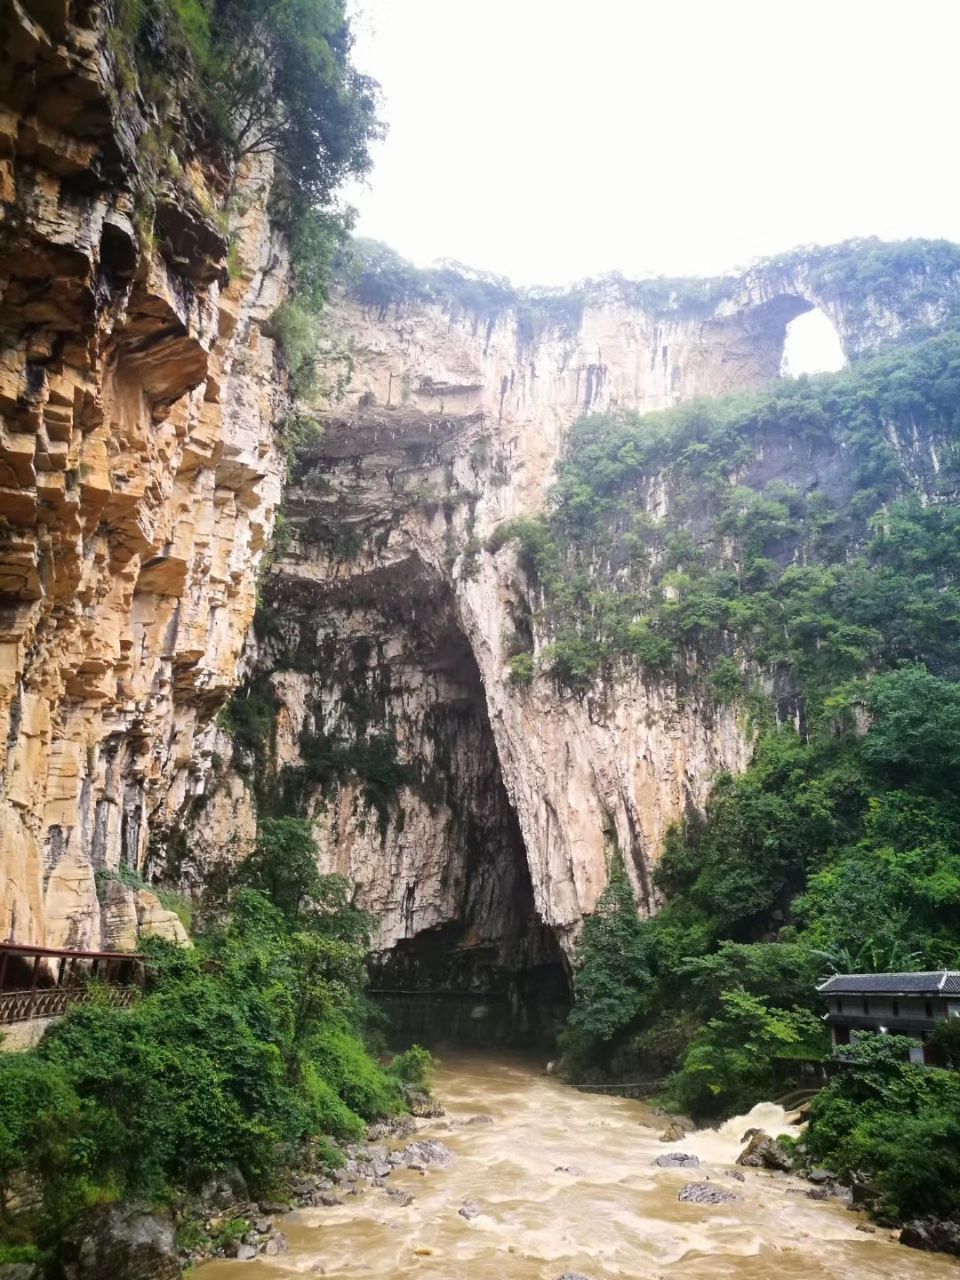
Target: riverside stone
(122,1242)
(937,1234)
(764,1152)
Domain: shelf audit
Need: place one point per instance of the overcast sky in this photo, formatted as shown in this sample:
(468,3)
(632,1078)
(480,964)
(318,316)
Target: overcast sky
(552,139)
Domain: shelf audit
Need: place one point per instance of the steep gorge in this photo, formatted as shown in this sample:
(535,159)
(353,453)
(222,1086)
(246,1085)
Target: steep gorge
(142,467)
(477,814)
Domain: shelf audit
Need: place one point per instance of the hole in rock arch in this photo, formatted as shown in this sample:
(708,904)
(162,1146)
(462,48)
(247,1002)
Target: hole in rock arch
(811,345)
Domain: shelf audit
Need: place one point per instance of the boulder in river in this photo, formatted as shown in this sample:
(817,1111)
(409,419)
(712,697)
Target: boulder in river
(764,1152)
(674,1132)
(469,1210)
(678,1160)
(939,1235)
(418,1155)
(421,1104)
(705,1193)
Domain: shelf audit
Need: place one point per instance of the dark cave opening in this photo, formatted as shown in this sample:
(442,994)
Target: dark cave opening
(496,974)
(491,971)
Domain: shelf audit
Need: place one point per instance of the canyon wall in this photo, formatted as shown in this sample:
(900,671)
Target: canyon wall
(138,470)
(481,834)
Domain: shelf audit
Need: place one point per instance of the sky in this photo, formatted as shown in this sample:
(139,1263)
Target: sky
(549,140)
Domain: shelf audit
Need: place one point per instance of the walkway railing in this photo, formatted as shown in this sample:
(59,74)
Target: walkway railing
(43,982)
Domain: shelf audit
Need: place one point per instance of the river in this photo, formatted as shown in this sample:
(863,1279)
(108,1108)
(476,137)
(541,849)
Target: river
(613,1215)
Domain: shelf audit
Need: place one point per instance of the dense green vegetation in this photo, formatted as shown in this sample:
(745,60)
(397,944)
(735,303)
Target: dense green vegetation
(827,587)
(894,1125)
(901,275)
(381,279)
(244,1051)
(827,617)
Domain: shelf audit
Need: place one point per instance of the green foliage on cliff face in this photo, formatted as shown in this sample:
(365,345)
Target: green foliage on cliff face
(238,1052)
(371,759)
(257,78)
(904,275)
(828,582)
(249,719)
(381,280)
(272,76)
(837,850)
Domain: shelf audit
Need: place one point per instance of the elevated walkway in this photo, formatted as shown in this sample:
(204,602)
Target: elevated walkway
(43,982)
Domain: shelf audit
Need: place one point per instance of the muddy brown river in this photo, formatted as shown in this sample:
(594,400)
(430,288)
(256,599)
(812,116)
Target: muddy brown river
(613,1215)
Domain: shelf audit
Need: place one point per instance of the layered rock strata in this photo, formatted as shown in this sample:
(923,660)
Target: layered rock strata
(138,469)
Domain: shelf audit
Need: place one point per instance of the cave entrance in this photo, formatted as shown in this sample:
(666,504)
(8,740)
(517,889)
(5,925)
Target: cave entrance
(494,973)
(811,344)
(462,954)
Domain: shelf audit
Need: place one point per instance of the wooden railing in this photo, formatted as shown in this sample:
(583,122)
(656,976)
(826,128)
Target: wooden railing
(53,1002)
(43,982)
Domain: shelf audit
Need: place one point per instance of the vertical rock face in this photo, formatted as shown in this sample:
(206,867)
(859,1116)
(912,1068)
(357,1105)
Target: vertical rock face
(475,818)
(138,469)
(471,425)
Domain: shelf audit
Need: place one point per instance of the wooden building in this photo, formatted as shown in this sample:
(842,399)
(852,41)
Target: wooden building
(904,1004)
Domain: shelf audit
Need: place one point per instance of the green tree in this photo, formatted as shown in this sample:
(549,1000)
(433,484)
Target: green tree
(612,979)
(730,1062)
(915,735)
(284,864)
(945,1043)
(892,1125)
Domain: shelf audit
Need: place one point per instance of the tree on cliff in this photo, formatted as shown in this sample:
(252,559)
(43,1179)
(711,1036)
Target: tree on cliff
(612,982)
(276,76)
(282,73)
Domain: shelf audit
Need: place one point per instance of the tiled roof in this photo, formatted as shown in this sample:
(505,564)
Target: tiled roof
(942,982)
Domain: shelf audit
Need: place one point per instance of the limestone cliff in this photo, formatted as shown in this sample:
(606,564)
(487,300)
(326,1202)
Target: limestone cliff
(475,817)
(138,470)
